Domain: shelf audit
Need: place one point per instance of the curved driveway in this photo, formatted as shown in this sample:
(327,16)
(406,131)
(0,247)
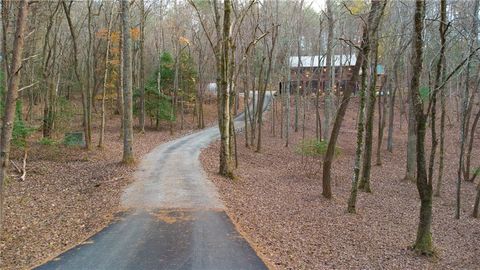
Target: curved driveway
(176,219)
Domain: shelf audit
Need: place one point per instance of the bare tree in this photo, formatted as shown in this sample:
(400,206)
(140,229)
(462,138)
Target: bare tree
(466,103)
(142,66)
(11,98)
(127,85)
(105,77)
(439,76)
(364,183)
(423,243)
(67,10)
(331,71)
(376,6)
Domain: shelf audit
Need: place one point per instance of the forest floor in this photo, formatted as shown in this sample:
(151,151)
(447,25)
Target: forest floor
(276,202)
(69,193)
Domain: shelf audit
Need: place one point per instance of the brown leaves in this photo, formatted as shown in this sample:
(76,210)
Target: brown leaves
(281,210)
(70,194)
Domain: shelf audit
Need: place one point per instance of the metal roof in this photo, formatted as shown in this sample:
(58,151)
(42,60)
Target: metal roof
(313,61)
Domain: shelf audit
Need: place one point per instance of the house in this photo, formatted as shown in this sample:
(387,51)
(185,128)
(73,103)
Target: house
(312,74)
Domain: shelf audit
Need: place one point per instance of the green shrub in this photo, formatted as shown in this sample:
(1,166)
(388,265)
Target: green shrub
(74,139)
(314,148)
(65,115)
(424,93)
(476,171)
(20,131)
(47,141)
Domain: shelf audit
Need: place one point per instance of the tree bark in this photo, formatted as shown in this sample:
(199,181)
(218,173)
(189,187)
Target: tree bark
(11,97)
(5,24)
(439,75)
(391,109)
(382,111)
(376,12)
(364,183)
(105,80)
(423,243)
(411,143)
(465,104)
(226,165)
(142,66)
(476,206)
(49,58)
(90,74)
(351,208)
(330,69)
(470,148)
(128,157)
(77,73)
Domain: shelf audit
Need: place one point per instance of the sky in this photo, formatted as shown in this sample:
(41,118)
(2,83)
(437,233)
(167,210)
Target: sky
(316,4)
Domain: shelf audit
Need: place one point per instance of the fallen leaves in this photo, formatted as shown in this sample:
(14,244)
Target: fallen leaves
(70,194)
(278,204)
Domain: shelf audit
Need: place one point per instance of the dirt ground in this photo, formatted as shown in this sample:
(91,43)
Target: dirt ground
(70,193)
(276,201)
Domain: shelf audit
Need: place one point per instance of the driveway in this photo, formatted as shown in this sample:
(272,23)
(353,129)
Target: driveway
(175,220)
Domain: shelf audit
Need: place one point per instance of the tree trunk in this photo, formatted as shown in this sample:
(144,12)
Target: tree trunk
(141,76)
(226,165)
(90,74)
(67,10)
(411,143)
(424,241)
(439,75)
(476,206)
(351,208)
(364,183)
(246,108)
(376,12)
(5,24)
(11,97)
(253,112)
(105,81)
(328,109)
(128,157)
(465,105)
(470,148)
(391,112)
(48,63)
(287,108)
(264,91)
(318,120)
(382,111)
(442,30)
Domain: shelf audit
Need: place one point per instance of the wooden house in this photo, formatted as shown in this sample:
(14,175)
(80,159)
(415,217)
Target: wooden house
(310,73)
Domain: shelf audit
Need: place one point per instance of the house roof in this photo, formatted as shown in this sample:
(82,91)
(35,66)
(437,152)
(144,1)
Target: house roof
(320,61)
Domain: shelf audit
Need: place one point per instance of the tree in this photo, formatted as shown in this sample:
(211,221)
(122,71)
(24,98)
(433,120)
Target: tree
(377,8)
(466,104)
(127,85)
(476,206)
(331,73)
(440,75)
(352,201)
(364,183)
(423,243)
(86,123)
(142,65)
(370,40)
(49,58)
(11,98)
(105,76)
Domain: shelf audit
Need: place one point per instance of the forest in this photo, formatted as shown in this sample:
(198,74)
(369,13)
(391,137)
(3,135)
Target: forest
(240,134)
